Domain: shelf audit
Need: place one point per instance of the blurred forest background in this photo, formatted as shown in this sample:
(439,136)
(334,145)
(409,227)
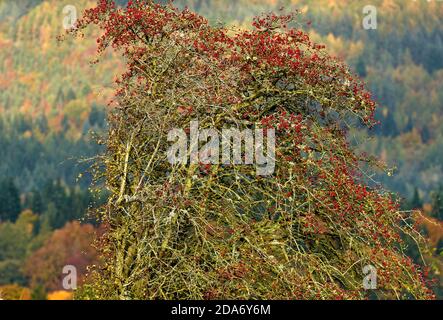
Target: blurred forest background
(52,101)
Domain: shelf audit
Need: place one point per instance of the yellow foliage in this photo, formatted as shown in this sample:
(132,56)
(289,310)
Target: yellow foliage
(432,225)
(60,295)
(338,46)
(14,292)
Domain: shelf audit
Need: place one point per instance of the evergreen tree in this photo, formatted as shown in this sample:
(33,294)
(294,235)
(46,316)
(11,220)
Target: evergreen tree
(9,201)
(425,134)
(389,126)
(409,125)
(37,203)
(60,98)
(437,203)
(361,68)
(48,219)
(416,202)
(70,95)
(440,247)
(39,293)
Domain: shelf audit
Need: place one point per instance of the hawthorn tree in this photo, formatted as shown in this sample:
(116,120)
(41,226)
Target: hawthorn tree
(211,231)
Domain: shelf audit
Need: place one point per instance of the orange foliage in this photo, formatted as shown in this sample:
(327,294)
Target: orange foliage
(26,107)
(71,245)
(433,226)
(55,123)
(60,295)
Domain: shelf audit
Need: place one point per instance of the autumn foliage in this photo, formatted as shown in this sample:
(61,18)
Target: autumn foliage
(71,245)
(218,231)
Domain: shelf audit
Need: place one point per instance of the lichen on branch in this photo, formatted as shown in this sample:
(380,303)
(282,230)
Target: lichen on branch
(198,231)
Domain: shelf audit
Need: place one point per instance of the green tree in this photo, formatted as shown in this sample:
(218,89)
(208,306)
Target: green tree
(415,202)
(361,68)
(10,272)
(9,201)
(437,203)
(16,241)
